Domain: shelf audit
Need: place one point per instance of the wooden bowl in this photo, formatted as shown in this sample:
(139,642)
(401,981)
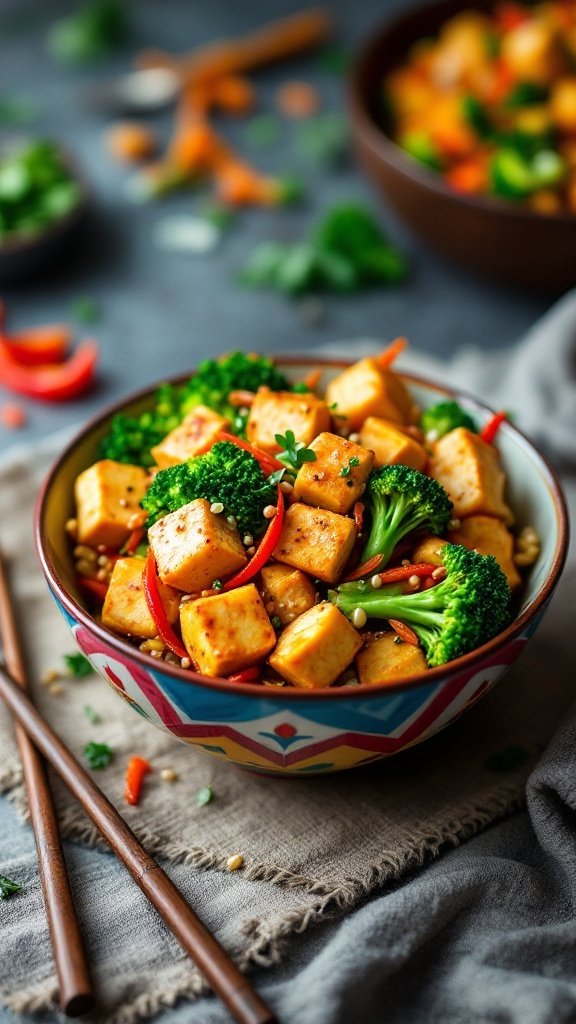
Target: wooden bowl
(286,730)
(499,239)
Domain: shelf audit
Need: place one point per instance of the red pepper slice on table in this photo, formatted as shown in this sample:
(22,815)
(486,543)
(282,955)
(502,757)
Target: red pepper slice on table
(137,769)
(489,431)
(53,383)
(157,610)
(265,549)
(38,346)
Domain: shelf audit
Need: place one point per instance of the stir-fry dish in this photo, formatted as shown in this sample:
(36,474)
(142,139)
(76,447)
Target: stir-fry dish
(490,103)
(254,529)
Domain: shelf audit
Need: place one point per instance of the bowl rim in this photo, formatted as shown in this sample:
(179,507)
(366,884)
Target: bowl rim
(384,147)
(361,690)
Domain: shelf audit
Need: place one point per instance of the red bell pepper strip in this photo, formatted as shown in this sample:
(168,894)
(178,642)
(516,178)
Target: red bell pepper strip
(268,464)
(404,632)
(249,675)
(134,540)
(157,610)
(56,383)
(265,548)
(137,769)
(489,431)
(38,346)
(395,575)
(96,588)
(358,513)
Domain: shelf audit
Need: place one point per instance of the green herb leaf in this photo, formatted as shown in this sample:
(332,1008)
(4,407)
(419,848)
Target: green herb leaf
(324,139)
(294,453)
(78,666)
(92,715)
(222,217)
(277,476)
(8,888)
(204,796)
(345,471)
(98,755)
(217,584)
(263,130)
(90,33)
(85,310)
(276,622)
(333,59)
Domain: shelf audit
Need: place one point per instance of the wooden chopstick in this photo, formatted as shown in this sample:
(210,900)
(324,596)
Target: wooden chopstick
(76,996)
(225,978)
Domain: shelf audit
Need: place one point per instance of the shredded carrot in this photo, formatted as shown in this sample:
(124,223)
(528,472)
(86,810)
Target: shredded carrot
(366,569)
(358,513)
(241,398)
(391,352)
(298,99)
(137,769)
(234,95)
(192,148)
(404,572)
(129,142)
(312,379)
(12,416)
(404,632)
(240,185)
(134,540)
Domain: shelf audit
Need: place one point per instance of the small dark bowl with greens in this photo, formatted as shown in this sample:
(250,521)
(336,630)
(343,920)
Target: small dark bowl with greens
(42,204)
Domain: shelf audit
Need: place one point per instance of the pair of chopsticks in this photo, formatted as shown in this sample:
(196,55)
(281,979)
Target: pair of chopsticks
(35,738)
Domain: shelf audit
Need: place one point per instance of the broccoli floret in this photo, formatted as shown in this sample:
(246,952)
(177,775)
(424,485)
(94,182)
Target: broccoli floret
(401,500)
(225,474)
(459,614)
(131,437)
(444,417)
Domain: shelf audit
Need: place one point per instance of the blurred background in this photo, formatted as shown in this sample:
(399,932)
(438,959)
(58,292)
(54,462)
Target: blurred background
(155,302)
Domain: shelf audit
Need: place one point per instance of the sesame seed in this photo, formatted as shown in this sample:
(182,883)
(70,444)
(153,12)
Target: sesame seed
(376,582)
(269,512)
(101,548)
(359,618)
(432,436)
(231,520)
(217,507)
(49,676)
(102,575)
(84,567)
(185,662)
(83,551)
(234,862)
(354,438)
(287,487)
(155,654)
(248,540)
(123,502)
(414,581)
(168,775)
(103,560)
(251,550)
(454,524)
(71,528)
(135,521)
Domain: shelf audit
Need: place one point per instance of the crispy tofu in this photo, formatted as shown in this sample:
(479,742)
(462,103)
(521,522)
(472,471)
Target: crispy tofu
(227,632)
(317,541)
(429,550)
(316,648)
(489,536)
(365,389)
(470,470)
(286,592)
(338,476)
(194,546)
(195,435)
(390,445)
(107,496)
(383,660)
(125,609)
(275,412)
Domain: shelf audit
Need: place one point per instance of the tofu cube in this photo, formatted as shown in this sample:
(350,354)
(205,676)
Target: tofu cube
(195,435)
(125,609)
(227,632)
(383,660)
(489,536)
(107,496)
(194,546)
(338,476)
(316,648)
(275,412)
(429,550)
(470,470)
(286,592)
(365,389)
(317,541)
(390,445)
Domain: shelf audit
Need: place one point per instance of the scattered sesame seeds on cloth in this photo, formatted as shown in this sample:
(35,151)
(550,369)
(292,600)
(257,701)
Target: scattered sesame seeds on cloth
(264,859)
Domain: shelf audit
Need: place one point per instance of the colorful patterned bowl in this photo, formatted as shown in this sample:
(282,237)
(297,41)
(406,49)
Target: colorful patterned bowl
(285,730)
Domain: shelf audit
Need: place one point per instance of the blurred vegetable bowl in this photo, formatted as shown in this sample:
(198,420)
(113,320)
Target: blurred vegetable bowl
(503,212)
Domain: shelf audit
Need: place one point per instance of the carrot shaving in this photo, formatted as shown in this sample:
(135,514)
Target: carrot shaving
(129,142)
(312,379)
(391,352)
(358,513)
(404,632)
(365,569)
(137,769)
(298,99)
(241,398)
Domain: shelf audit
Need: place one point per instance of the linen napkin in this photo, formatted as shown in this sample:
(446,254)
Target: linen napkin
(313,848)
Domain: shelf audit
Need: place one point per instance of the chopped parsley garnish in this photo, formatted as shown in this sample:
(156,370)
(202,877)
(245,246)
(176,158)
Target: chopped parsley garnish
(85,310)
(346,470)
(78,666)
(92,715)
(98,755)
(294,452)
(276,622)
(204,796)
(8,888)
(216,584)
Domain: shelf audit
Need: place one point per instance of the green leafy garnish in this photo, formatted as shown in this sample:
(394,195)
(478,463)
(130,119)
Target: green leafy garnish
(294,453)
(346,470)
(85,310)
(222,217)
(276,622)
(92,715)
(263,130)
(90,33)
(98,755)
(204,796)
(78,666)
(8,888)
(526,94)
(347,252)
(324,139)
(333,59)
(36,188)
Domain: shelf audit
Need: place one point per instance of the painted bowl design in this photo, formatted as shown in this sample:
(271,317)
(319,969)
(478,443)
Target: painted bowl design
(286,730)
